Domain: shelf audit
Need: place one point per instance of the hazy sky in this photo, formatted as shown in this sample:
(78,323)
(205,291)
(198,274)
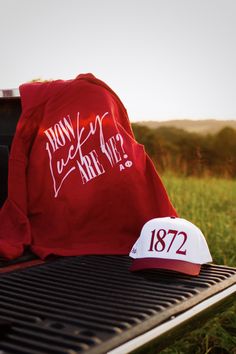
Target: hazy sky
(165,59)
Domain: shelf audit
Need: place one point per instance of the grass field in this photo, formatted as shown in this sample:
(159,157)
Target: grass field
(209,203)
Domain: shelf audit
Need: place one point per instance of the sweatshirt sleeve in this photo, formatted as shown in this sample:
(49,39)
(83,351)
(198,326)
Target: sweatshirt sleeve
(14,223)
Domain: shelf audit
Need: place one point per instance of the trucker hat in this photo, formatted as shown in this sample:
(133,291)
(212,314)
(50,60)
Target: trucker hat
(170,243)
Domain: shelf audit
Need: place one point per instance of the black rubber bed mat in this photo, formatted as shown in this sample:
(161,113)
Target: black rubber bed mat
(94,304)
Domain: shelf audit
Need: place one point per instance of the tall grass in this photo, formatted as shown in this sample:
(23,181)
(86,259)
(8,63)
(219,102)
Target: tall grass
(209,203)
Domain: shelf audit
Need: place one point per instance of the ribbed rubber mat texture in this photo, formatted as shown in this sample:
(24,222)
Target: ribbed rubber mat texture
(90,303)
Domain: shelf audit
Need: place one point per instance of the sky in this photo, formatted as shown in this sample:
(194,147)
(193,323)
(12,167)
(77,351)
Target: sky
(166,59)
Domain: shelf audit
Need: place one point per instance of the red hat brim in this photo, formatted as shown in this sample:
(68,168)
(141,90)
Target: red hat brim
(170,264)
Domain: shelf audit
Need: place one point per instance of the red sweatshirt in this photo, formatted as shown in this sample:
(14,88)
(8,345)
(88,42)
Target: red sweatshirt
(79,183)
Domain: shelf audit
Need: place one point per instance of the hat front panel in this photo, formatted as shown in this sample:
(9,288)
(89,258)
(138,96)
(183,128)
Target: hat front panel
(167,238)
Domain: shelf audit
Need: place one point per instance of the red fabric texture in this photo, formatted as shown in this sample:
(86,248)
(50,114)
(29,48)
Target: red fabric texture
(79,183)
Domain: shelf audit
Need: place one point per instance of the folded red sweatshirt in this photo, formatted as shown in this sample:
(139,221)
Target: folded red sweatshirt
(79,183)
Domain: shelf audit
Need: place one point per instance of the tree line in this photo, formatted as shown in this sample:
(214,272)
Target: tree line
(190,154)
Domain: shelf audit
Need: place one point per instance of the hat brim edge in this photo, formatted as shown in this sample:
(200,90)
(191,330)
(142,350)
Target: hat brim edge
(169,264)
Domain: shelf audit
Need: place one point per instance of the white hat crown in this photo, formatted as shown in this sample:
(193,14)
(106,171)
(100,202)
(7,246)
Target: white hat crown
(171,238)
